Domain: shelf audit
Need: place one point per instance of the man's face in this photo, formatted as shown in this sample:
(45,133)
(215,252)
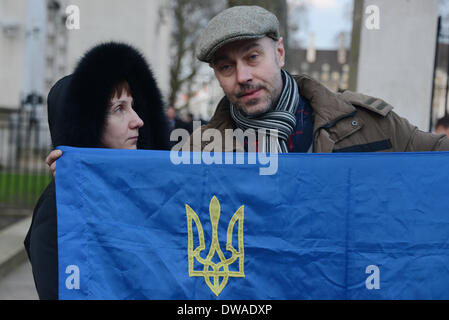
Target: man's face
(122,124)
(442,129)
(171,113)
(249,71)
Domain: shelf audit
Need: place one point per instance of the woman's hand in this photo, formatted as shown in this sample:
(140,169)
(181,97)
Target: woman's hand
(51,160)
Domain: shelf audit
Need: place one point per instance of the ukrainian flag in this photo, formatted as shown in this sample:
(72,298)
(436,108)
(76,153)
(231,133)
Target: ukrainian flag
(133,225)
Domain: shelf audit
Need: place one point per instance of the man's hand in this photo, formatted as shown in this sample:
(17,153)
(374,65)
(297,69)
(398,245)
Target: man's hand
(51,160)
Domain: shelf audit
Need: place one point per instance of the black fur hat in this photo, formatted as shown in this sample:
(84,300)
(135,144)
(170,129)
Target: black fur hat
(77,104)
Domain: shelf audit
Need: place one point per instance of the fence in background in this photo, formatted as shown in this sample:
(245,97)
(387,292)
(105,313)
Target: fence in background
(24,144)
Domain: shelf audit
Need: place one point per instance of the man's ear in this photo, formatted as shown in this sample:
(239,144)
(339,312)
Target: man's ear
(280,52)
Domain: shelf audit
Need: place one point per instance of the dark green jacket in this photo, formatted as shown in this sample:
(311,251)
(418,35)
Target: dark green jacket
(347,122)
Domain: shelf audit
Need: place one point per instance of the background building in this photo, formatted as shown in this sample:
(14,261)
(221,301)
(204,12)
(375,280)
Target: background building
(13,36)
(330,66)
(37,48)
(42,41)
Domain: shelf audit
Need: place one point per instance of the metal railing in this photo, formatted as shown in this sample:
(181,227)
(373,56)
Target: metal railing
(24,145)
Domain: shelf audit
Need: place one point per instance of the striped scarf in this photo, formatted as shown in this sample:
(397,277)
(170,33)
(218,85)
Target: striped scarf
(282,118)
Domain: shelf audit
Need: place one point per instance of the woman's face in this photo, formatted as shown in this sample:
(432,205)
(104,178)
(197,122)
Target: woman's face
(122,123)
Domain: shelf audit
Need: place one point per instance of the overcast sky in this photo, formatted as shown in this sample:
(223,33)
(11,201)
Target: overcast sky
(326,18)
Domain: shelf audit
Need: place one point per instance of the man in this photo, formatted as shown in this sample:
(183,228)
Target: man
(442,126)
(243,46)
(174,122)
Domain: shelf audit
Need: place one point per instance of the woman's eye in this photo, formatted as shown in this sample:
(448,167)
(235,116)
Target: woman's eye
(119,109)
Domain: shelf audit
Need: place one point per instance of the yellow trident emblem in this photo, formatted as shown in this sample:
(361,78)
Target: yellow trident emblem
(220,269)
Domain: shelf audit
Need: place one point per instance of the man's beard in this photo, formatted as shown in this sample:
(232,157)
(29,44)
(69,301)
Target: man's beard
(268,102)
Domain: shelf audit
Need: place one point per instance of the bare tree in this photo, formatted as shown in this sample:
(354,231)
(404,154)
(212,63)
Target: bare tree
(292,17)
(190,17)
(279,8)
(297,20)
(443,11)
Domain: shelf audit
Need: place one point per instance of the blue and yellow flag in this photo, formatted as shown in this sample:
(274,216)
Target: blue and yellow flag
(133,225)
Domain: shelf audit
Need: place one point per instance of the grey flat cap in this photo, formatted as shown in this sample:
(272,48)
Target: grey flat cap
(233,24)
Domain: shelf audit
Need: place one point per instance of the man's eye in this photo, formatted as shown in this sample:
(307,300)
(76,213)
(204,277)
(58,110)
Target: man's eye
(253,56)
(119,109)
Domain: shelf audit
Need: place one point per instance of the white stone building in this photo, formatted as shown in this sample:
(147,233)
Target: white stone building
(37,48)
(42,41)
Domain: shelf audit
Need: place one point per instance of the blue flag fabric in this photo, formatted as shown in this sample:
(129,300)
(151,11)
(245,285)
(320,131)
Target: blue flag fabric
(132,225)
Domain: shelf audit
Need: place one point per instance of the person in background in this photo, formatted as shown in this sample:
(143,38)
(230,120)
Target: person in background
(442,126)
(174,122)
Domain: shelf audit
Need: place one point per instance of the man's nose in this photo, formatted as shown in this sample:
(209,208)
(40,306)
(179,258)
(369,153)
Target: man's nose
(135,122)
(243,73)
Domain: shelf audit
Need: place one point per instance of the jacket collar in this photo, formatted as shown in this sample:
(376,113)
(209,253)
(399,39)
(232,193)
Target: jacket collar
(328,107)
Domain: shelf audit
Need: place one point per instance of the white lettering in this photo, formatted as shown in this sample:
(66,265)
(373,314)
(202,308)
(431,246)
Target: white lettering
(197,139)
(175,156)
(73,17)
(244,309)
(272,158)
(213,151)
(186,310)
(372,22)
(373,281)
(73,280)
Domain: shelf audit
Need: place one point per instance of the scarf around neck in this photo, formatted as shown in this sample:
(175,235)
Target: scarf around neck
(281,119)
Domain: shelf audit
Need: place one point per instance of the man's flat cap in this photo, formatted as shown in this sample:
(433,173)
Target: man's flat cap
(233,24)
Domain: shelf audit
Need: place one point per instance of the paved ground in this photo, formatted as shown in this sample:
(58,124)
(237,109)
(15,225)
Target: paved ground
(16,279)
(18,284)
(6,221)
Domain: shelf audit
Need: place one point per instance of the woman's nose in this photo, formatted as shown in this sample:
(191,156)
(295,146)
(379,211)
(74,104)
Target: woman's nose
(136,122)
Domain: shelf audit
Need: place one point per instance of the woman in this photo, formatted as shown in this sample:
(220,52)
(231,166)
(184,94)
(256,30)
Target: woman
(110,101)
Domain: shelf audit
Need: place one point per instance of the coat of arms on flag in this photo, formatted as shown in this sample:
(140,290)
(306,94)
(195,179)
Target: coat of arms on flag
(220,270)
